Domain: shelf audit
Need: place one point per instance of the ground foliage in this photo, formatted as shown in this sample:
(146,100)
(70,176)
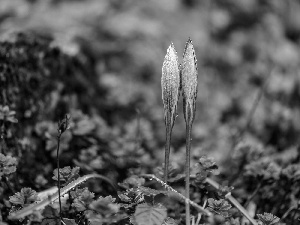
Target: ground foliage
(100,63)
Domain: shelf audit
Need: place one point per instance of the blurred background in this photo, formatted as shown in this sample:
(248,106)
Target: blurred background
(100,62)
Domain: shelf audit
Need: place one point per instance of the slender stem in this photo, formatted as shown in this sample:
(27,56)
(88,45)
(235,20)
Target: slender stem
(138,127)
(167,150)
(198,219)
(187,172)
(294,215)
(2,137)
(253,194)
(259,96)
(58,173)
(5,180)
(82,216)
(288,212)
(70,201)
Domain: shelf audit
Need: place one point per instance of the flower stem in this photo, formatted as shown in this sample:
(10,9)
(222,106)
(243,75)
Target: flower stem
(167,150)
(58,172)
(5,180)
(187,172)
(288,212)
(253,194)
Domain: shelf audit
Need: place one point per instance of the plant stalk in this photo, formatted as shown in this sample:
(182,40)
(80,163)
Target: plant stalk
(288,212)
(5,180)
(58,173)
(167,150)
(253,194)
(187,171)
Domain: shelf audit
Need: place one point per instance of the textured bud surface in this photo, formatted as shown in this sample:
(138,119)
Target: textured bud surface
(170,82)
(189,81)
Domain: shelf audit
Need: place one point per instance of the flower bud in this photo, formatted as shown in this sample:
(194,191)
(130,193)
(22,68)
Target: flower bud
(189,82)
(170,83)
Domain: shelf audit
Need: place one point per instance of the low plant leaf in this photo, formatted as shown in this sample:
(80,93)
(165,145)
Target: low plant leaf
(170,221)
(7,165)
(268,218)
(146,214)
(24,197)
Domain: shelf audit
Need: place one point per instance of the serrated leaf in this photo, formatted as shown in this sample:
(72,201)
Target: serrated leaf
(105,205)
(146,214)
(189,82)
(151,192)
(83,200)
(7,163)
(67,174)
(24,197)
(268,218)
(51,216)
(51,221)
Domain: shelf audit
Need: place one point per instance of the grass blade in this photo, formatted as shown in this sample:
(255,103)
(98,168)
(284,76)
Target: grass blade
(33,207)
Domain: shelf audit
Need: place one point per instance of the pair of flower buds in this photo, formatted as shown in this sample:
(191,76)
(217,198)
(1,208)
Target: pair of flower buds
(176,78)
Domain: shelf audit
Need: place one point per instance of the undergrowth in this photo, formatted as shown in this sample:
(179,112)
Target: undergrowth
(258,185)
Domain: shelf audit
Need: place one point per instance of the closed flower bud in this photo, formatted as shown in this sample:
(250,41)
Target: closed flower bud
(189,81)
(170,83)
